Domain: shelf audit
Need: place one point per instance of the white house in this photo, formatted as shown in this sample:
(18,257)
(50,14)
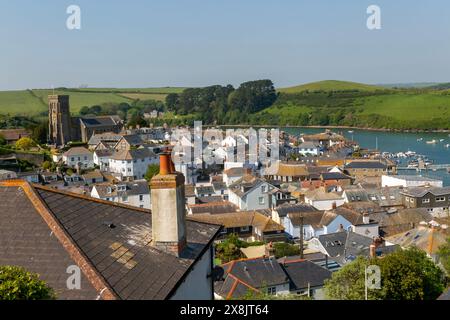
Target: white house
(102,157)
(252,193)
(309,149)
(7,175)
(132,164)
(232,175)
(78,157)
(408,181)
(134,193)
(323,200)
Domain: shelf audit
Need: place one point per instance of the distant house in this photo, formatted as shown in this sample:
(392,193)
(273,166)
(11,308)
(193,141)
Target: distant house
(286,172)
(435,200)
(78,158)
(252,193)
(232,175)
(255,276)
(127,142)
(361,169)
(49,177)
(323,200)
(13,135)
(98,125)
(93,177)
(248,225)
(280,213)
(107,139)
(131,164)
(309,148)
(212,208)
(101,158)
(305,277)
(204,191)
(408,181)
(31,177)
(326,139)
(344,247)
(136,193)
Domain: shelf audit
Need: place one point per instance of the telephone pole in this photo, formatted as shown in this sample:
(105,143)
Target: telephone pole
(301,237)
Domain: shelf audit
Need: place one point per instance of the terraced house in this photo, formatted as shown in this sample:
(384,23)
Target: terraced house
(435,200)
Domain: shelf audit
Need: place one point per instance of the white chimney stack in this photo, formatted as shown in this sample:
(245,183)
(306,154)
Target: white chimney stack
(168,208)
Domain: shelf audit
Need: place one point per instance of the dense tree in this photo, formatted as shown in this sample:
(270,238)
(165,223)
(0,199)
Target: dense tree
(229,249)
(25,143)
(172,100)
(444,256)
(2,140)
(405,275)
(18,284)
(283,249)
(152,171)
(253,96)
(40,132)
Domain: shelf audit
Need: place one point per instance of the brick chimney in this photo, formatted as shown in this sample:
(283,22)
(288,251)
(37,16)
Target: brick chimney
(168,208)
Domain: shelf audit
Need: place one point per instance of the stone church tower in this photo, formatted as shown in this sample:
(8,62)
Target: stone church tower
(59,119)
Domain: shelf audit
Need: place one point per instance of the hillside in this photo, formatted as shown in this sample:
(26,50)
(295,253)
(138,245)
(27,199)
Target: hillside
(331,85)
(34,102)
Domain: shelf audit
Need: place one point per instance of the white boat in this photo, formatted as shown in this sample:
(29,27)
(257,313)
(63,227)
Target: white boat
(447,145)
(350,131)
(420,139)
(431,141)
(440,140)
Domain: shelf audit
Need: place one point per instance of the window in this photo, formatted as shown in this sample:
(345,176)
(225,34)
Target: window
(224,231)
(141,197)
(261,200)
(440,199)
(272,290)
(72,159)
(426,200)
(245,229)
(141,206)
(85,158)
(263,189)
(125,198)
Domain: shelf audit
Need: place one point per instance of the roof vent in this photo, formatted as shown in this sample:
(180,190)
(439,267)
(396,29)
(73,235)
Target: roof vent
(110,225)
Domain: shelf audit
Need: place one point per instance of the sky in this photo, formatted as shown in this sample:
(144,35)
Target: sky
(154,43)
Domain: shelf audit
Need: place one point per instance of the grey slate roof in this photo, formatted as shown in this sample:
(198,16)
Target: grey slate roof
(365,165)
(418,192)
(242,275)
(302,273)
(122,255)
(286,208)
(99,121)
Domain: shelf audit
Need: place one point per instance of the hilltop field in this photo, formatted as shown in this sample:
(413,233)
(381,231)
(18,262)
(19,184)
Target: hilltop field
(34,102)
(333,103)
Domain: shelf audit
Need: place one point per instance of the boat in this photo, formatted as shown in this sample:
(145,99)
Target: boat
(447,145)
(441,140)
(431,141)
(350,131)
(420,139)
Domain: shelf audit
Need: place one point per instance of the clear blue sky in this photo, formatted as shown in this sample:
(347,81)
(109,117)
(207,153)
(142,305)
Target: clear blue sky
(144,43)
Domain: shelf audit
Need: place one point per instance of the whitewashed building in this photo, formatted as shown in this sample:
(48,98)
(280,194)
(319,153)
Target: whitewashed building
(132,164)
(78,157)
(134,193)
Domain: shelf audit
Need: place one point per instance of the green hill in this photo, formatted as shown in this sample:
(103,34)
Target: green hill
(34,102)
(331,85)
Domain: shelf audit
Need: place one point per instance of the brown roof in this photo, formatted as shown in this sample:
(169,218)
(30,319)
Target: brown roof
(109,242)
(289,170)
(77,151)
(240,219)
(236,172)
(14,134)
(213,207)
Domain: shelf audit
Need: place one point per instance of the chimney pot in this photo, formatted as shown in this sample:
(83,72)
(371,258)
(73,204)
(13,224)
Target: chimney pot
(164,164)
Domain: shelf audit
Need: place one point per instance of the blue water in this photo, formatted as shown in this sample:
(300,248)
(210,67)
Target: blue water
(398,142)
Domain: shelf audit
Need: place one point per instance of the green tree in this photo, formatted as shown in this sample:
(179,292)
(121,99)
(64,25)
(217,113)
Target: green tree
(2,140)
(25,143)
(283,249)
(152,171)
(405,275)
(229,249)
(18,284)
(444,256)
(172,100)
(40,132)
(46,165)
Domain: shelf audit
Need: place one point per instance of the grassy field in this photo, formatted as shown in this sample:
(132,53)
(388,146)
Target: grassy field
(330,85)
(405,107)
(33,102)
(144,96)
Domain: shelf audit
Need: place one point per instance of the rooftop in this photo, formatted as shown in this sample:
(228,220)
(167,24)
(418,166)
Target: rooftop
(45,230)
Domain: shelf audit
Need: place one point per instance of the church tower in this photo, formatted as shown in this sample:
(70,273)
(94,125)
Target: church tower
(59,120)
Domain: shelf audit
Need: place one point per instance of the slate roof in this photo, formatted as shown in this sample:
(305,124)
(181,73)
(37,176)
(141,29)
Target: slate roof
(99,121)
(75,151)
(445,295)
(302,273)
(213,208)
(334,176)
(110,242)
(286,208)
(136,187)
(357,195)
(246,275)
(418,192)
(365,165)
(245,184)
(106,136)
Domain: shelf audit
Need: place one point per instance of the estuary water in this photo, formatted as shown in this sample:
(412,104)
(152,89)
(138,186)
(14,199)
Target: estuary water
(395,142)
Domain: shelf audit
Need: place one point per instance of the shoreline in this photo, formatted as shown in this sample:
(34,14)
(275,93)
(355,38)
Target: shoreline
(341,127)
